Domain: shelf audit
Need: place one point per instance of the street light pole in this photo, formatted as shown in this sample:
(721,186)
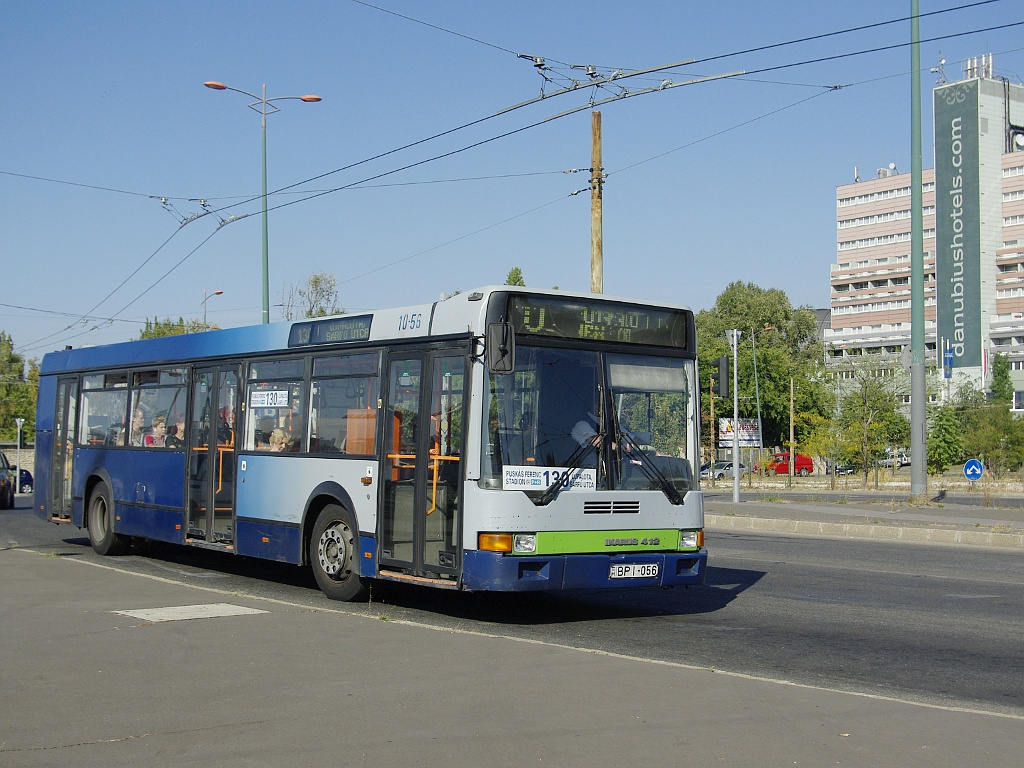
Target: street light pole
(215,293)
(19,421)
(265,107)
(734,340)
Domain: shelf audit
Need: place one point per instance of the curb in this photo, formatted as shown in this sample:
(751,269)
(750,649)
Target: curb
(865,531)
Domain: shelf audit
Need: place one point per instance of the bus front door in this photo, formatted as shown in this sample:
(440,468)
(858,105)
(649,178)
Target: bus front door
(211,456)
(421,473)
(63,449)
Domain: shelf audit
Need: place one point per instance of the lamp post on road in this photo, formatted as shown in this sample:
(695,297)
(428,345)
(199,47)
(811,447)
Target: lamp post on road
(17,487)
(205,297)
(265,107)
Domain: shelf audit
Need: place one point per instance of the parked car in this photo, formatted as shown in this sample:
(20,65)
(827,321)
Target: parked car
(6,484)
(897,460)
(720,469)
(802,465)
(844,469)
(27,481)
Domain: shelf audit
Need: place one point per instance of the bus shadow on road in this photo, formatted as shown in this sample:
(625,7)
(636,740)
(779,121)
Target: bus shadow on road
(722,586)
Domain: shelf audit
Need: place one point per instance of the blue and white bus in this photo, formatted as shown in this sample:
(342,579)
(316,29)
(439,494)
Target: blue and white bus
(500,439)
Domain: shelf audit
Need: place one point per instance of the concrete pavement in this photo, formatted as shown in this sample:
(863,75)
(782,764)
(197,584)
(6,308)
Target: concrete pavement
(87,679)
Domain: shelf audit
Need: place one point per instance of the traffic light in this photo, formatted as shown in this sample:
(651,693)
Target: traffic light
(720,377)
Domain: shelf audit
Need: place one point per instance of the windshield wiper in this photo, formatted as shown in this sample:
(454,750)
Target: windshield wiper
(570,467)
(647,467)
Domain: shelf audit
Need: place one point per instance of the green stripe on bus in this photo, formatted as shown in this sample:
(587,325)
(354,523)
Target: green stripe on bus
(576,542)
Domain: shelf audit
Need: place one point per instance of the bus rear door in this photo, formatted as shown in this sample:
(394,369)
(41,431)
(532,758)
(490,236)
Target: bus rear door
(211,456)
(63,449)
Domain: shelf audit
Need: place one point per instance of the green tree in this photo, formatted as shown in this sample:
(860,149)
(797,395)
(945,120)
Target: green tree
(316,297)
(157,328)
(319,296)
(1002,386)
(788,349)
(945,442)
(989,430)
(515,277)
(19,386)
(870,418)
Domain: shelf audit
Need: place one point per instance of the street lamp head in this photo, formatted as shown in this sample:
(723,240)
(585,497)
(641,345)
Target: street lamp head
(310,97)
(217,293)
(215,85)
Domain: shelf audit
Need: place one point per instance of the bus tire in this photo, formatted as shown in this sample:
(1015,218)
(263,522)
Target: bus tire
(803,472)
(334,550)
(101,524)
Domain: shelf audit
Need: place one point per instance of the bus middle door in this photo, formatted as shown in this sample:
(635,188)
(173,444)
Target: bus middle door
(422,467)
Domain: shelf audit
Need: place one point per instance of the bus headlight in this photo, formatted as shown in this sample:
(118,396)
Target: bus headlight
(524,543)
(518,543)
(691,539)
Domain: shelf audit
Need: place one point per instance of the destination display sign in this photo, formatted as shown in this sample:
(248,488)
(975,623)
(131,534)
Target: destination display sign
(551,316)
(336,330)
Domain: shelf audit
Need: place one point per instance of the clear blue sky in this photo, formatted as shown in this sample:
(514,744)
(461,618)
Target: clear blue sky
(709,183)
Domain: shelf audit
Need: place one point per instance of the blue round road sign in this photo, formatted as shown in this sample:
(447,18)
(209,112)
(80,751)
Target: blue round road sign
(973,470)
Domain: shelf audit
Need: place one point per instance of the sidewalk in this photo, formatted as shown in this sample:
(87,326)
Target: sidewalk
(850,514)
(87,680)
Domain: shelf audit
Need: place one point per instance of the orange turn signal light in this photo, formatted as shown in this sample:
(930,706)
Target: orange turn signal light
(495,542)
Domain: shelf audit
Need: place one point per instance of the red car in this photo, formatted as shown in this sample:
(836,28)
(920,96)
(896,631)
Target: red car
(802,465)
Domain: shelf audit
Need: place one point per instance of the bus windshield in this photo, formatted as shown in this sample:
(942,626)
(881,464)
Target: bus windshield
(624,421)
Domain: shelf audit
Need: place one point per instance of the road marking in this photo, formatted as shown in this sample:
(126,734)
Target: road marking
(186,612)
(972,597)
(367,613)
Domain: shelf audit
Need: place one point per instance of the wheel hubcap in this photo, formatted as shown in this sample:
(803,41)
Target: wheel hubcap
(332,552)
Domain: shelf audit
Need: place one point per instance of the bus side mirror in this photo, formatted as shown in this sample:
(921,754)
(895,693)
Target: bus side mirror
(501,348)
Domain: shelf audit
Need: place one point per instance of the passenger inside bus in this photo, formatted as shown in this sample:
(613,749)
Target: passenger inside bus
(157,433)
(279,441)
(176,432)
(138,433)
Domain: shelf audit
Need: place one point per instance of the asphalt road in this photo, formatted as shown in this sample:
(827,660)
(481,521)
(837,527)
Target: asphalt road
(937,625)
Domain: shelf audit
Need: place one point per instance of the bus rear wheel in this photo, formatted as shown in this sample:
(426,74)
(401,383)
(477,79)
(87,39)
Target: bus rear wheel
(101,527)
(333,552)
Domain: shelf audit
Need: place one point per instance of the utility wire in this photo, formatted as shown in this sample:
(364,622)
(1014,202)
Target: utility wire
(482,142)
(79,317)
(533,125)
(453,240)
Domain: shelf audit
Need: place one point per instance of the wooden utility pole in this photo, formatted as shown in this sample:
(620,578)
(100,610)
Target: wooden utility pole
(714,429)
(596,213)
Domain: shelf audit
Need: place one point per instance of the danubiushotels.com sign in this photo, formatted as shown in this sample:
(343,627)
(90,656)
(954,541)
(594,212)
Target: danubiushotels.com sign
(957,222)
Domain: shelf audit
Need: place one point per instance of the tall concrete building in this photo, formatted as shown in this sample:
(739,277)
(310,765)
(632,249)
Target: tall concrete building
(973,206)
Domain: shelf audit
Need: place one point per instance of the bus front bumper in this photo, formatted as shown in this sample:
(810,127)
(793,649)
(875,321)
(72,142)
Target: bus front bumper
(517,573)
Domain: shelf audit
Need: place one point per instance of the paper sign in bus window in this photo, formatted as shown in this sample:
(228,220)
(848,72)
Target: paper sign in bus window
(269,398)
(521,478)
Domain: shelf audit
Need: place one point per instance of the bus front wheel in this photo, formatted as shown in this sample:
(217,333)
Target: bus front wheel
(101,524)
(333,551)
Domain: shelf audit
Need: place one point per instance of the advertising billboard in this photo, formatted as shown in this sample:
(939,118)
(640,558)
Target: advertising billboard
(750,435)
(957,222)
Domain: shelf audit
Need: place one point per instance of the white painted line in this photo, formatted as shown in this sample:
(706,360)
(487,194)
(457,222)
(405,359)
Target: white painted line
(186,612)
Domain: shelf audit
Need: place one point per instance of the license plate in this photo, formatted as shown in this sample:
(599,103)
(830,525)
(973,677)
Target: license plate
(633,571)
